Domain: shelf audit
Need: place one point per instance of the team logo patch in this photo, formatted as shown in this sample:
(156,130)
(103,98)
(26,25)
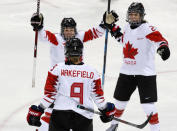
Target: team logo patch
(129,51)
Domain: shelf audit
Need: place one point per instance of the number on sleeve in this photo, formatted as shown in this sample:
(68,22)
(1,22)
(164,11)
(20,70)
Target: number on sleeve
(152,28)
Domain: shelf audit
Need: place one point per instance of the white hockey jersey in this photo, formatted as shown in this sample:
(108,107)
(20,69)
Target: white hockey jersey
(57,42)
(70,85)
(139,48)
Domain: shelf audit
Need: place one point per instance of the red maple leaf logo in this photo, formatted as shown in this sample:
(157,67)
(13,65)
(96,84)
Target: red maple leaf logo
(129,51)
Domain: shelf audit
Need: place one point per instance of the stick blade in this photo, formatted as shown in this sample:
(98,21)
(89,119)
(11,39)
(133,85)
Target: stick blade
(145,123)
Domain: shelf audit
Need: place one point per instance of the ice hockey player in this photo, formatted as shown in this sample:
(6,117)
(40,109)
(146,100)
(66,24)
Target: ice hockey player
(68,30)
(69,84)
(57,42)
(140,41)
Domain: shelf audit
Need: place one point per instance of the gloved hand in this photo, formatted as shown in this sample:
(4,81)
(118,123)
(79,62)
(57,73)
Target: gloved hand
(108,113)
(109,19)
(37,21)
(116,31)
(164,52)
(34,115)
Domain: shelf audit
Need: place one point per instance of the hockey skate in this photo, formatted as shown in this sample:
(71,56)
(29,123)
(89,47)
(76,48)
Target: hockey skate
(113,127)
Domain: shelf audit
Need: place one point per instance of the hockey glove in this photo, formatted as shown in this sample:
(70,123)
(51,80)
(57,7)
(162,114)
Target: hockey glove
(164,52)
(34,115)
(109,19)
(37,21)
(108,113)
(115,31)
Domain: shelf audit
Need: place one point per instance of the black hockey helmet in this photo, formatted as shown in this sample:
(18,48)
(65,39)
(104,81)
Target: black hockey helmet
(68,22)
(73,47)
(136,7)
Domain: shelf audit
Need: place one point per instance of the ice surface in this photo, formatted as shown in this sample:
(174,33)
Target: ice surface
(16,49)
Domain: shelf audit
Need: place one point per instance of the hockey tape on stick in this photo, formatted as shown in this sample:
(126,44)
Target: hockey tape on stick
(35,50)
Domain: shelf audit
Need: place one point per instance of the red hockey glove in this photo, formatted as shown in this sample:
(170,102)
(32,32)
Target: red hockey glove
(34,115)
(108,113)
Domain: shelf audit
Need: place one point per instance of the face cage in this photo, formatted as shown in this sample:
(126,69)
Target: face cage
(62,33)
(135,23)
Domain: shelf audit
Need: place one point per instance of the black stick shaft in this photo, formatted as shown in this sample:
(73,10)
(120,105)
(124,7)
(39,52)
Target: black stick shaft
(35,49)
(36,32)
(105,49)
(117,119)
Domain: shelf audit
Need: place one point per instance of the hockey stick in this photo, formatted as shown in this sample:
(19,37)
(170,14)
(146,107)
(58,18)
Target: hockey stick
(141,126)
(105,49)
(35,49)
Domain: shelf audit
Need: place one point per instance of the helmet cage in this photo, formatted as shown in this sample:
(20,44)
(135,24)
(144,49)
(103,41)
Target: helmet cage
(68,23)
(136,7)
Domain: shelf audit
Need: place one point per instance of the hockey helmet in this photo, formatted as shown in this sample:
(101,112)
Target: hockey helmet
(136,7)
(68,22)
(73,48)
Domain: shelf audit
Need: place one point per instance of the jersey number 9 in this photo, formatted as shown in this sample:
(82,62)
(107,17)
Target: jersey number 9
(76,93)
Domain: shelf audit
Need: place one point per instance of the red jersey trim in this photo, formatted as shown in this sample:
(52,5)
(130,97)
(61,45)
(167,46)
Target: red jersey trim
(156,37)
(88,36)
(98,90)
(51,37)
(50,84)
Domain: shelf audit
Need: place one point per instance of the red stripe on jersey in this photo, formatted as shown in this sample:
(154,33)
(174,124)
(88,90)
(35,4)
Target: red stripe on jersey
(156,37)
(47,100)
(119,113)
(95,34)
(154,119)
(98,90)
(50,96)
(51,37)
(99,32)
(50,84)
(88,36)
(102,98)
